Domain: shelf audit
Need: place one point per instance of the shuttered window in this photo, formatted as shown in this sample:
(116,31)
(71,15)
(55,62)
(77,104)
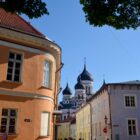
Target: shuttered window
(45,123)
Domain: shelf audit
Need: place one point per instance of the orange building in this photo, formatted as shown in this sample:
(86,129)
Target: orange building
(29,80)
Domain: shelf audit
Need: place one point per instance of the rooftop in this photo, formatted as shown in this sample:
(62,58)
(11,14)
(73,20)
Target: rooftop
(17,23)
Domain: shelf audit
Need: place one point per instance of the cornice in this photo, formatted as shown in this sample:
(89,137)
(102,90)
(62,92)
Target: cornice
(32,41)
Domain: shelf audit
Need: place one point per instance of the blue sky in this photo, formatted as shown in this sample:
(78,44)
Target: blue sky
(113,54)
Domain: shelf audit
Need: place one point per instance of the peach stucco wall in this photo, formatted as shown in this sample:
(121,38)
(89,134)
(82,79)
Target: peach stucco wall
(31,83)
(27,109)
(32,72)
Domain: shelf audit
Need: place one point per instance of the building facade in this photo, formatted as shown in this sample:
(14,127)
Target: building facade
(73,129)
(83,123)
(63,130)
(29,82)
(115,111)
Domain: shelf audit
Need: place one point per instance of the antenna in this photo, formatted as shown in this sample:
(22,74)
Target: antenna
(85,62)
(103,78)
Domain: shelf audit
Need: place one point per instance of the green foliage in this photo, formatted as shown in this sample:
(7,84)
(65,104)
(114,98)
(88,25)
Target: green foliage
(32,8)
(119,14)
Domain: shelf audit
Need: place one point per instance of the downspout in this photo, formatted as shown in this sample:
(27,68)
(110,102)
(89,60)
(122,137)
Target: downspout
(91,120)
(56,94)
(110,115)
(56,100)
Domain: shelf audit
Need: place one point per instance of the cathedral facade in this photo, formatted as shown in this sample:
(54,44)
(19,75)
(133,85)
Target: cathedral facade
(83,91)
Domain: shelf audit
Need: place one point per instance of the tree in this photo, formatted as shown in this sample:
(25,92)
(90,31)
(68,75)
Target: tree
(32,8)
(119,14)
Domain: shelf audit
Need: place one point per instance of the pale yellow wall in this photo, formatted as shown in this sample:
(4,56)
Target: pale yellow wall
(63,131)
(100,109)
(83,125)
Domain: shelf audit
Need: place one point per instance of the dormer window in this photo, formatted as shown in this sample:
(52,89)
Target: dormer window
(14,67)
(47,74)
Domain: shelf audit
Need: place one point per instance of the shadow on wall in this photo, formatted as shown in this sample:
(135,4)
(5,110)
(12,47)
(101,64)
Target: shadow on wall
(14,98)
(4,54)
(9,85)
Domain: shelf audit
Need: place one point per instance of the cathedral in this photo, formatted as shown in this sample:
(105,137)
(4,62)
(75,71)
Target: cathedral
(83,91)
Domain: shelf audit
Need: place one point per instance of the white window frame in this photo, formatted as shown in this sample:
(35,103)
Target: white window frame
(8,120)
(42,124)
(14,61)
(49,76)
(136,125)
(135,100)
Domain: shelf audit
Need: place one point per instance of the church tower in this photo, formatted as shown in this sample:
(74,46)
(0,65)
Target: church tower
(80,93)
(87,81)
(66,104)
(67,95)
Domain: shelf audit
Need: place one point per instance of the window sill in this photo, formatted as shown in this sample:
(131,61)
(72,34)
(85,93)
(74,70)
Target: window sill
(41,137)
(13,82)
(9,135)
(46,87)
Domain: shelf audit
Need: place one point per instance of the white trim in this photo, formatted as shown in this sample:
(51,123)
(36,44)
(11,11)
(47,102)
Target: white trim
(26,95)
(135,98)
(50,74)
(8,117)
(137,133)
(21,67)
(24,48)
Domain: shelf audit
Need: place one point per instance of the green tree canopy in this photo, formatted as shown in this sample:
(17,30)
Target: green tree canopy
(119,14)
(32,8)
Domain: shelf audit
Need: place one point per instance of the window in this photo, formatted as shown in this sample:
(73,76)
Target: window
(8,121)
(130,101)
(47,74)
(14,67)
(117,137)
(45,123)
(132,128)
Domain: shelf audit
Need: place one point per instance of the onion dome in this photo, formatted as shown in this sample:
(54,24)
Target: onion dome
(79,84)
(67,90)
(85,75)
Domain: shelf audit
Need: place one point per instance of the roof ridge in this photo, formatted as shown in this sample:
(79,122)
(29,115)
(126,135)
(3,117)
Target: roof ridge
(30,25)
(17,23)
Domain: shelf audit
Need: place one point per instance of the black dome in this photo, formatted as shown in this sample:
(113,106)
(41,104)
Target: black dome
(85,75)
(79,85)
(67,91)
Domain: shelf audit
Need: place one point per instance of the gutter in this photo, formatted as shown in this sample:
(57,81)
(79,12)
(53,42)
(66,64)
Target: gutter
(90,119)
(110,116)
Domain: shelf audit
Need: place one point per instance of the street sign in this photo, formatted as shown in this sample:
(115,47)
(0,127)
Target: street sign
(105,130)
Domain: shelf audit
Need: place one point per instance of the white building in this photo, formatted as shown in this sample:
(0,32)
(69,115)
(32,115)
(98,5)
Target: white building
(116,112)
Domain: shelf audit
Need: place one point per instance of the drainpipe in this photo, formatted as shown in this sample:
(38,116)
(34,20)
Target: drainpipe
(90,119)
(110,115)
(56,100)
(57,94)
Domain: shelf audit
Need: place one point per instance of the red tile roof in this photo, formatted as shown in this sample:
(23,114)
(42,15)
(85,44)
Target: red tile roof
(15,22)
